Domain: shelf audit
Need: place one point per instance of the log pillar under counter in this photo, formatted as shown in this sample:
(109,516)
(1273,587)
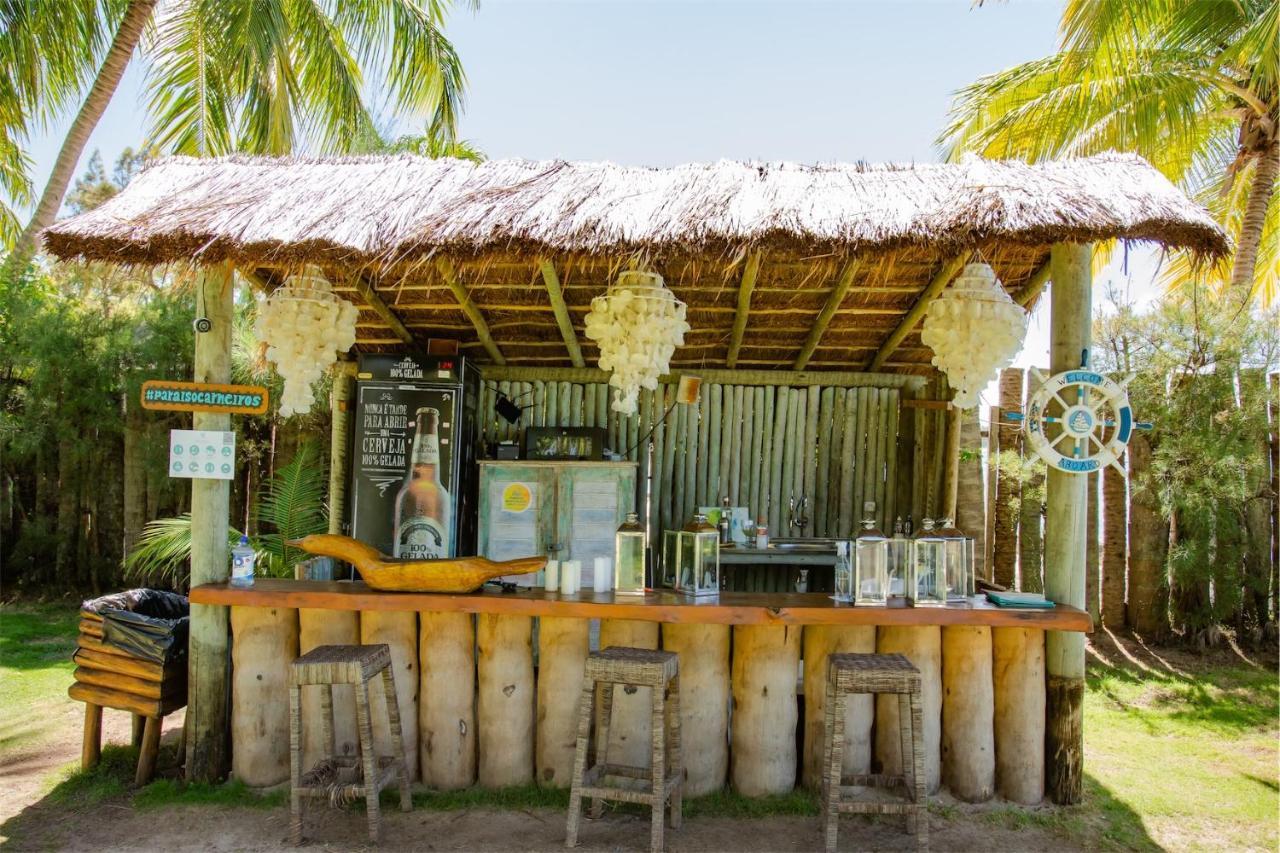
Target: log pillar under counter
(266,642)
(399,631)
(562,657)
(629,741)
(766,661)
(505,700)
(821,641)
(704,703)
(319,627)
(923,647)
(447,700)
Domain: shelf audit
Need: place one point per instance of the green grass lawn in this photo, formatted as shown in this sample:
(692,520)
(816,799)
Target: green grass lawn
(1182,752)
(36,642)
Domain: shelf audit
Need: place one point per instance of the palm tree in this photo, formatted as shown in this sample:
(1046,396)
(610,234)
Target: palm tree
(260,76)
(1192,85)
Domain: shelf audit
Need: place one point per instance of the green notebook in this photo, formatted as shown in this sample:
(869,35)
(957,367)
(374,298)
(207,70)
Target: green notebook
(1019,599)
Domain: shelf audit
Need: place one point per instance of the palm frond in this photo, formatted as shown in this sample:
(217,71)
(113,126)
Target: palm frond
(162,555)
(292,506)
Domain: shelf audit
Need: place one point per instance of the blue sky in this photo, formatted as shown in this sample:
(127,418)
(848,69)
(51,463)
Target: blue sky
(657,83)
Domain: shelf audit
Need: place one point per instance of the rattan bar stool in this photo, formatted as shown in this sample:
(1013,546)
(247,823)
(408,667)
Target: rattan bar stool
(663,781)
(342,778)
(866,673)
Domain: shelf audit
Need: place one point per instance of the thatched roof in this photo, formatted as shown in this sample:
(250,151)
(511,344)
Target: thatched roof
(386,216)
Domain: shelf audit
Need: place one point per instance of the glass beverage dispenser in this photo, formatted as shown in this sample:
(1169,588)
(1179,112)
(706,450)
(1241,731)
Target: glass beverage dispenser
(628,557)
(929,551)
(870,552)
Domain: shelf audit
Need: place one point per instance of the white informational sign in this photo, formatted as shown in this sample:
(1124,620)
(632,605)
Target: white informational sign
(513,524)
(202,453)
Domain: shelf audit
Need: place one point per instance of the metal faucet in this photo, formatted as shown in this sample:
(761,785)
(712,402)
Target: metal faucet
(801,507)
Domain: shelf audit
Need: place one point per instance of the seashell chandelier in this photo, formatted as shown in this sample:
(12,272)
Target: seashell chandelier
(304,325)
(637,324)
(974,329)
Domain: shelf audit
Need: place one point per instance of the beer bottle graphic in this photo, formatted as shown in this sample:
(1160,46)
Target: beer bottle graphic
(423,507)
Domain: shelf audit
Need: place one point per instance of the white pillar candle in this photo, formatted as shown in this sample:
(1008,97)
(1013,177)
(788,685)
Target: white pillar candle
(552,575)
(570,576)
(603,574)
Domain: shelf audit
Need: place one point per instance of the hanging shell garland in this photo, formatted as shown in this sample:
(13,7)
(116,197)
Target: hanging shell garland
(304,326)
(637,324)
(974,329)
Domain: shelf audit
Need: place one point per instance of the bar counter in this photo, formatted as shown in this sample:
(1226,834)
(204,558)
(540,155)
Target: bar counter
(752,663)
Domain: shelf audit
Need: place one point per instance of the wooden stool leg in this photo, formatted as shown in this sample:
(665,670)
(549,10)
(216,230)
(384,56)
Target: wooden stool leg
(397,735)
(917,766)
(139,724)
(91,748)
(369,761)
(657,739)
(907,746)
(579,762)
(295,764)
(604,713)
(677,756)
(150,748)
(326,721)
(834,719)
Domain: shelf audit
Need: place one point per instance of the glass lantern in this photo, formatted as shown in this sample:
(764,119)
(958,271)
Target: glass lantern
(900,572)
(628,557)
(697,558)
(929,555)
(870,552)
(957,561)
(844,572)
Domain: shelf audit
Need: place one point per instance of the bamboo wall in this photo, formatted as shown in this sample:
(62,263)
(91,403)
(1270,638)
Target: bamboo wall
(759,444)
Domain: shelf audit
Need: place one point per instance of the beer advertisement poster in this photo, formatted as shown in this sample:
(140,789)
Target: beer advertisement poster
(402,469)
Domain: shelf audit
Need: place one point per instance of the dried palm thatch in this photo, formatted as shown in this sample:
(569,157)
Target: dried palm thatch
(390,219)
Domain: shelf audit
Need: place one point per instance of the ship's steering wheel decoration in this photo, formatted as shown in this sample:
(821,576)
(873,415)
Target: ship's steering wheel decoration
(1080,421)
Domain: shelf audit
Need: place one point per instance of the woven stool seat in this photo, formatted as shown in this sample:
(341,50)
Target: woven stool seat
(852,673)
(341,778)
(655,786)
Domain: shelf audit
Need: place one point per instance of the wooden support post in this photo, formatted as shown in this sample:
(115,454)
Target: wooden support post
(949,270)
(450,276)
(447,700)
(704,703)
(766,659)
(322,627)
(629,740)
(91,746)
(266,643)
(1066,500)
(968,709)
(951,463)
(748,284)
(148,750)
(374,300)
(562,658)
(208,656)
(1034,286)
(399,630)
(1018,679)
(1004,553)
(340,408)
(834,300)
(505,700)
(556,294)
(820,642)
(923,647)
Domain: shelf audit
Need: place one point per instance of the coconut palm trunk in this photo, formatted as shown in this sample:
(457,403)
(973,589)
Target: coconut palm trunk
(1261,189)
(95,104)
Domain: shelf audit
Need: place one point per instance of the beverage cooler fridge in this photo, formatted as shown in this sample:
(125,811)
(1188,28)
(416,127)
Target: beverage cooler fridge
(413,474)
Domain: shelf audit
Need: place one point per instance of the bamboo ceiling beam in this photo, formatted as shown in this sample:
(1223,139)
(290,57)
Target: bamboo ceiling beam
(939,283)
(371,298)
(828,311)
(563,320)
(1034,286)
(450,276)
(749,273)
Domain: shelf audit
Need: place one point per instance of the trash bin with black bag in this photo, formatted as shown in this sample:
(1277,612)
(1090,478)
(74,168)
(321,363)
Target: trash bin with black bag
(132,656)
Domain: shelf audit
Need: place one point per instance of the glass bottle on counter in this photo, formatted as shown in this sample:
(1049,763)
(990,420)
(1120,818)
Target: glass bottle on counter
(423,507)
(628,557)
(930,561)
(869,556)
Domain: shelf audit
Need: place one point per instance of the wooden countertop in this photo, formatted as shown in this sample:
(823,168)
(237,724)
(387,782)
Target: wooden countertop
(729,608)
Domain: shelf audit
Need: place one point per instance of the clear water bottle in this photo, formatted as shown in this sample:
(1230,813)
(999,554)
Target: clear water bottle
(242,557)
